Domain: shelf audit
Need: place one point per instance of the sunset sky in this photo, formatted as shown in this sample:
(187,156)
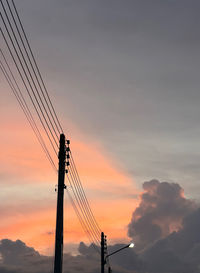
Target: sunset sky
(124,79)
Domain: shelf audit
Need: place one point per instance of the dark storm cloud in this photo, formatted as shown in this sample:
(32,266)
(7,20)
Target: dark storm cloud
(161,210)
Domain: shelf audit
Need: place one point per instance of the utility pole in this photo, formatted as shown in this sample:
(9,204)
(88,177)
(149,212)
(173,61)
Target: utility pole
(59,216)
(102,252)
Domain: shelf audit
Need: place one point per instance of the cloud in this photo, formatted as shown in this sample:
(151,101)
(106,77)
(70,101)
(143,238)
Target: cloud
(179,251)
(85,250)
(127,259)
(165,225)
(13,253)
(17,257)
(161,211)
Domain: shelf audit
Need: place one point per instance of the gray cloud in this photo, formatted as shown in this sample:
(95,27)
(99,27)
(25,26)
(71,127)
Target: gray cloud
(166,225)
(161,211)
(127,259)
(16,253)
(178,252)
(17,257)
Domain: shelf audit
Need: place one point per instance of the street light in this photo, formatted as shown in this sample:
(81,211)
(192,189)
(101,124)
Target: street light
(131,245)
(104,250)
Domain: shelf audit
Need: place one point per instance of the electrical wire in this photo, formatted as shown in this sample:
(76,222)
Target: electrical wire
(83,203)
(82,209)
(81,220)
(37,97)
(72,164)
(25,108)
(34,71)
(22,78)
(40,100)
(39,73)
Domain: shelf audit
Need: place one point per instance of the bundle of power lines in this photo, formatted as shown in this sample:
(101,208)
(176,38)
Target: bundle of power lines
(26,83)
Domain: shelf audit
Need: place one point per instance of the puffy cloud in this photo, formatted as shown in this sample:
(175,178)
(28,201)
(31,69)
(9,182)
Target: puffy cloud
(87,250)
(160,212)
(16,253)
(18,257)
(166,227)
(179,251)
(126,259)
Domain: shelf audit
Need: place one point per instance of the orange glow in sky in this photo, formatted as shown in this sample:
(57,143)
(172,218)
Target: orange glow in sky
(29,200)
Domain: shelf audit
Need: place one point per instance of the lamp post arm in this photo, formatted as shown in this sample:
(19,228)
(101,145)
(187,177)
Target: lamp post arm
(116,251)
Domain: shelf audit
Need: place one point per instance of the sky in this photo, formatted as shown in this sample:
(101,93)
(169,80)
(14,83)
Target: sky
(124,79)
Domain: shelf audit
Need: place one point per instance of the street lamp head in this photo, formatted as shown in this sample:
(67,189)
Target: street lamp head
(131,245)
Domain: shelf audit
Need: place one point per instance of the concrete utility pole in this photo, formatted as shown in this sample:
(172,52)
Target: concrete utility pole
(59,216)
(102,252)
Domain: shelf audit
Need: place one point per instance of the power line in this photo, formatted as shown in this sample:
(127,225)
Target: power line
(83,192)
(29,72)
(36,76)
(21,25)
(25,108)
(82,208)
(83,203)
(81,220)
(22,78)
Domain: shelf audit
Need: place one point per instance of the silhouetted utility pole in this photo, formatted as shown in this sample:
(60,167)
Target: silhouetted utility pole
(59,216)
(102,252)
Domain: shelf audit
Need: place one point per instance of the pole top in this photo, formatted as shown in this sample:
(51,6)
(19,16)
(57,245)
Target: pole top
(62,136)
(62,139)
